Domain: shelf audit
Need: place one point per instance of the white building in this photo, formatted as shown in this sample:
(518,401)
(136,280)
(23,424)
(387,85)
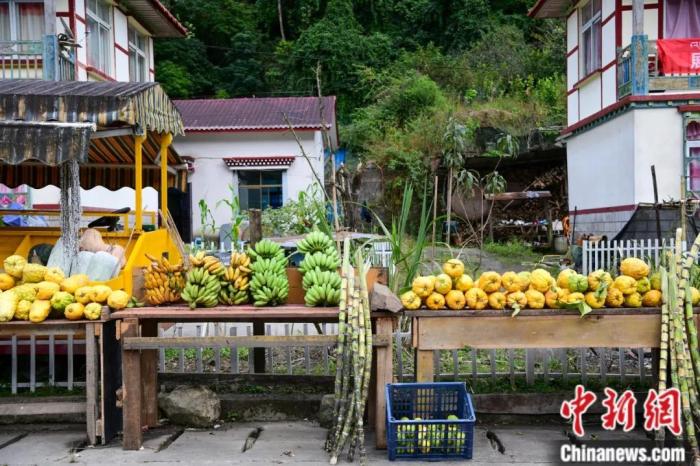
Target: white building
(115,43)
(627,114)
(246,145)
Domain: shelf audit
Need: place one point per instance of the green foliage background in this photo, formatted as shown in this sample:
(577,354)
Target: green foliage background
(401,69)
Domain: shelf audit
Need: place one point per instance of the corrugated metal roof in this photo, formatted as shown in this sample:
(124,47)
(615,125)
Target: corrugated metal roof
(107,104)
(153,15)
(256,113)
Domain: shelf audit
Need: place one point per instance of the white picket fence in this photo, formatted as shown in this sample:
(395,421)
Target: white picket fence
(608,254)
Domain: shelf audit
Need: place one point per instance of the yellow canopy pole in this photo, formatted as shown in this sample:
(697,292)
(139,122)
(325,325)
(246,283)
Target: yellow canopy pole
(138,185)
(165,141)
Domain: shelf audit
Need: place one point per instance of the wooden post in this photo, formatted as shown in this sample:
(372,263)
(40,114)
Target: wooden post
(149,378)
(385,374)
(91,381)
(425,366)
(255,216)
(50,43)
(138,180)
(131,389)
(165,141)
(255,228)
(640,51)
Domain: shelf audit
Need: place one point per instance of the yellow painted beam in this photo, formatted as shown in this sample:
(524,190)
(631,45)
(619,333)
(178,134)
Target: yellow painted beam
(165,141)
(138,184)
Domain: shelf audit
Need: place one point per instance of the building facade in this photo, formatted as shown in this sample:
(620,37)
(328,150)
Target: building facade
(83,40)
(245,148)
(632,84)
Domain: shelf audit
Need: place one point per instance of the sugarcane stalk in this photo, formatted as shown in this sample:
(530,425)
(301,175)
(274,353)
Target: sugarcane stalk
(358,425)
(679,375)
(346,422)
(663,347)
(367,361)
(689,319)
(342,312)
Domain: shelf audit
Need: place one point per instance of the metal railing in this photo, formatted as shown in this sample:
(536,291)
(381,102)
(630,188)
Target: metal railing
(24,59)
(582,364)
(624,72)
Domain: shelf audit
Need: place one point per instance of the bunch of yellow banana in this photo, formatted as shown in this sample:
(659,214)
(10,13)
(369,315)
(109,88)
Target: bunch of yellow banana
(163,281)
(235,281)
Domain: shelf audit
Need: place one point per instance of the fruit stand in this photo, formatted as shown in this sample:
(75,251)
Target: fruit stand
(532,328)
(140,341)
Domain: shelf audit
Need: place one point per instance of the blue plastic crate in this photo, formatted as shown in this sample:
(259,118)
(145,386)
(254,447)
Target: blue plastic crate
(433,437)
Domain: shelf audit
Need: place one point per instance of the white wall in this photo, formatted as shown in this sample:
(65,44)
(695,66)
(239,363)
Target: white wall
(99,197)
(600,165)
(590,97)
(121,44)
(659,141)
(211,177)
(651,25)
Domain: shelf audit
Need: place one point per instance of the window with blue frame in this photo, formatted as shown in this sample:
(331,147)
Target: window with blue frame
(260,189)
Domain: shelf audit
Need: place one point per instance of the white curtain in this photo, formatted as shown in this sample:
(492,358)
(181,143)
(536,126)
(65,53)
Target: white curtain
(31,21)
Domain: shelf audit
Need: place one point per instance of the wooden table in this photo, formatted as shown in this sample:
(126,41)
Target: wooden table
(102,359)
(532,328)
(140,342)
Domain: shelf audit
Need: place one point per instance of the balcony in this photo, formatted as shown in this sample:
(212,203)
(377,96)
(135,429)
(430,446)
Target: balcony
(658,81)
(25,60)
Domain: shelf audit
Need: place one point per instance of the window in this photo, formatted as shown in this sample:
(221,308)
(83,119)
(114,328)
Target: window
(138,56)
(20,20)
(692,155)
(590,37)
(260,189)
(99,37)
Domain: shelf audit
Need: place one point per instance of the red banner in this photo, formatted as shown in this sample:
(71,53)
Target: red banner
(679,56)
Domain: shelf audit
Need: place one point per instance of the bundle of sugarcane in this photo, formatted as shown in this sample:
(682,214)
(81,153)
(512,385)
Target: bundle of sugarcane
(353,361)
(679,339)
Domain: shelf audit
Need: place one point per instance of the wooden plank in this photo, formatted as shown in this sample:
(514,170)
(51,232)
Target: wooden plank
(91,381)
(630,331)
(131,373)
(242,313)
(149,377)
(385,370)
(551,313)
(425,366)
(40,408)
(263,341)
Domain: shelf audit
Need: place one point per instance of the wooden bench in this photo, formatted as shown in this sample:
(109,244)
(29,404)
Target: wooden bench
(532,328)
(140,342)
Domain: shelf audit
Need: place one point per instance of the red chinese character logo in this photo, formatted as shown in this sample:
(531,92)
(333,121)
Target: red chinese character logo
(663,410)
(577,407)
(618,410)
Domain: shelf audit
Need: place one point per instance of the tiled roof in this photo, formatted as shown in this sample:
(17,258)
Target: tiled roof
(254,113)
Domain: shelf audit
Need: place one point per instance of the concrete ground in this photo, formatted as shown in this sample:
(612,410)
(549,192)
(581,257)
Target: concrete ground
(278,443)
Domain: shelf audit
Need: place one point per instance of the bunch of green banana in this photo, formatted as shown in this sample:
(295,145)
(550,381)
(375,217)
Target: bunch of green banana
(326,260)
(265,249)
(230,295)
(236,280)
(321,281)
(203,282)
(269,285)
(316,241)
